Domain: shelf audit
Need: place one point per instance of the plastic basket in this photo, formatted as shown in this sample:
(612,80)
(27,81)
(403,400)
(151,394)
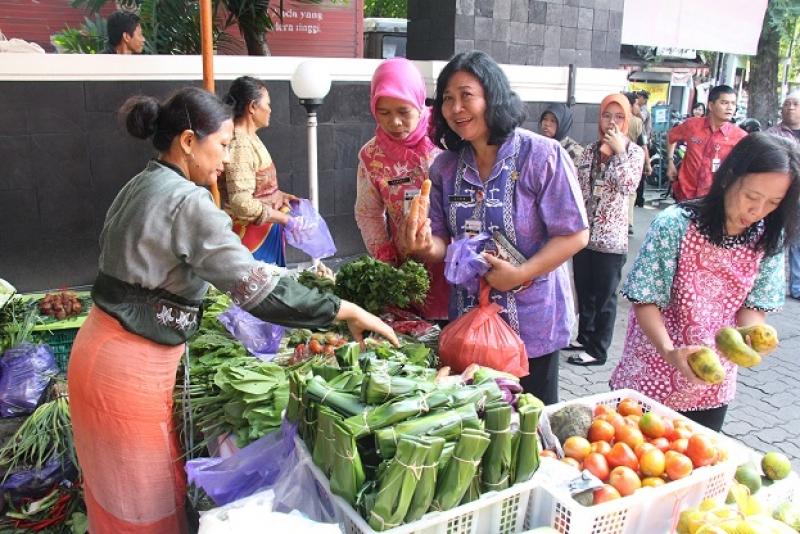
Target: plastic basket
(497,512)
(60,342)
(649,510)
(778,492)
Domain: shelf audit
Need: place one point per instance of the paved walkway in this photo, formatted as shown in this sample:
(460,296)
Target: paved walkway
(763,416)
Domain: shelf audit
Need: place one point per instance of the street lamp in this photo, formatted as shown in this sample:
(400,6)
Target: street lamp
(311,83)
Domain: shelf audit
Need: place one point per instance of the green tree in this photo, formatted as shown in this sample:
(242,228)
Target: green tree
(173,26)
(386,8)
(777,32)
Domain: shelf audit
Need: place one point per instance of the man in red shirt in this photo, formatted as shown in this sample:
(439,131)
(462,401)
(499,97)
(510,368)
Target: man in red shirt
(708,140)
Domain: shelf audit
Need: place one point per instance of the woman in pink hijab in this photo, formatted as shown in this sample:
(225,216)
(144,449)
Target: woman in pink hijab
(391,168)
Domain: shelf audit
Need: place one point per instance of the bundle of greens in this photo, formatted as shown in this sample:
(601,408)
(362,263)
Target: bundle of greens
(45,436)
(323,454)
(398,484)
(461,469)
(496,464)
(374,285)
(378,388)
(321,392)
(247,400)
(347,473)
(527,450)
(426,486)
(377,417)
(312,280)
(448,424)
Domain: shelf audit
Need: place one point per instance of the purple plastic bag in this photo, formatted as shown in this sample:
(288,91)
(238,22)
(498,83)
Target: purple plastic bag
(35,482)
(260,338)
(463,264)
(253,468)
(307,231)
(25,372)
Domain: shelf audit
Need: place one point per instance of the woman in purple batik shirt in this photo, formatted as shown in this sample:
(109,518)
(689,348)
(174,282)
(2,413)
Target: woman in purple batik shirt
(496,177)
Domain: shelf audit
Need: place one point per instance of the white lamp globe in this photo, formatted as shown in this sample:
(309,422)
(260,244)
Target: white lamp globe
(311,80)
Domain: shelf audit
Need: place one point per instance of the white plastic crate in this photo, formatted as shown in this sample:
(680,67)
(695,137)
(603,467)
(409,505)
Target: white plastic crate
(498,512)
(780,491)
(648,511)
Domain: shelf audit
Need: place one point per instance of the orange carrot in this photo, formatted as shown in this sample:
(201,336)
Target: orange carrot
(426,188)
(412,224)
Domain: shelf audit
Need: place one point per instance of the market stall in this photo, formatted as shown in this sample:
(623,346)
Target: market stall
(308,427)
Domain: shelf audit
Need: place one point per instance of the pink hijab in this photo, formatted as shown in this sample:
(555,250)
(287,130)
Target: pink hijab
(399,78)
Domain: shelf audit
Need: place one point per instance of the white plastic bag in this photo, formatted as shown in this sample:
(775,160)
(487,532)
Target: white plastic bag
(251,515)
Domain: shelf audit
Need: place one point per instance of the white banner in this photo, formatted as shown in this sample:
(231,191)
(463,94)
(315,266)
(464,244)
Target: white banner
(731,26)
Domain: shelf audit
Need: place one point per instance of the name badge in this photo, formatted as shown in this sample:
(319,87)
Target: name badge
(408,196)
(400,181)
(459,198)
(472,227)
(715,163)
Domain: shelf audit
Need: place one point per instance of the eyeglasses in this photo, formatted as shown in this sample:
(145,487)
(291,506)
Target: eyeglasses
(615,118)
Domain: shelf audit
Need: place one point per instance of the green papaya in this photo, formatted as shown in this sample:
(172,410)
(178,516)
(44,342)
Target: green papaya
(731,344)
(706,365)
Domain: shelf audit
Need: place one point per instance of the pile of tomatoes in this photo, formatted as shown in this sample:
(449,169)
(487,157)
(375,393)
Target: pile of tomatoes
(629,449)
(316,343)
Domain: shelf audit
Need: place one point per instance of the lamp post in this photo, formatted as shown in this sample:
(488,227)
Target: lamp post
(311,83)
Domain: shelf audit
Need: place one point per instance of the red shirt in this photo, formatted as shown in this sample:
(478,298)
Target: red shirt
(703,146)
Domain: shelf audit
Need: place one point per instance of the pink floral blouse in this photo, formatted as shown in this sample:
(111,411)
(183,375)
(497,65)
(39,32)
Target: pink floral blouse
(606,188)
(384,190)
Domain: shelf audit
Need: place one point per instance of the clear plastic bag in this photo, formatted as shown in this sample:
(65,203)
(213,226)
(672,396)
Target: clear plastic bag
(307,230)
(254,468)
(25,373)
(463,264)
(481,336)
(260,338)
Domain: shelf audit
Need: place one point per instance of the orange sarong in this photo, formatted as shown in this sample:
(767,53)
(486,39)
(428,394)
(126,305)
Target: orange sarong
(120,392)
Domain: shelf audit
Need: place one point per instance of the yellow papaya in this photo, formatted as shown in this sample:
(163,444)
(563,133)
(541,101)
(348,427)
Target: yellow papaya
(706,365)
(731,344)
(763,337)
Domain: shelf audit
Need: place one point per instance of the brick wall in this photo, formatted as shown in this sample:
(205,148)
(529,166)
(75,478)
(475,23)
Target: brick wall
(586,33)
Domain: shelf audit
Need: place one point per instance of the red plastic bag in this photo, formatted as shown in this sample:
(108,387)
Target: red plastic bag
(481,336)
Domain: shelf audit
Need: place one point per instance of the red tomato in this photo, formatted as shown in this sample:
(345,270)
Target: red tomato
(677,465)
(622,454)
(629,407)
(604,494)
(597,465)
(625,480)
(701,450)
(601,431)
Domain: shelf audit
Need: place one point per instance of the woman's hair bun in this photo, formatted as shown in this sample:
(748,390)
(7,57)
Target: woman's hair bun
(141,115)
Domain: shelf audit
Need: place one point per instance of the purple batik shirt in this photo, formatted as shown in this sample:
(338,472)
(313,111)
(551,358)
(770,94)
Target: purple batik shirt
(531,195)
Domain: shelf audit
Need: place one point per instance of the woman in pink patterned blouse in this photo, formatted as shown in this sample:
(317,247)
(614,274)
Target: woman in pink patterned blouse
(707,263)
(391,168)
(608,173)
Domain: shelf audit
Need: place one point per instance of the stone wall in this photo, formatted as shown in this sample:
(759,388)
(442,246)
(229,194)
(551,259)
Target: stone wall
(586,33)
(64,157)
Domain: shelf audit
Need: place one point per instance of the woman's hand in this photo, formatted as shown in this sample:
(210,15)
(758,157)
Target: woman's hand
(271,215)
(502,275)
(679,358)
(417,240)
(360,320)
(615,139)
